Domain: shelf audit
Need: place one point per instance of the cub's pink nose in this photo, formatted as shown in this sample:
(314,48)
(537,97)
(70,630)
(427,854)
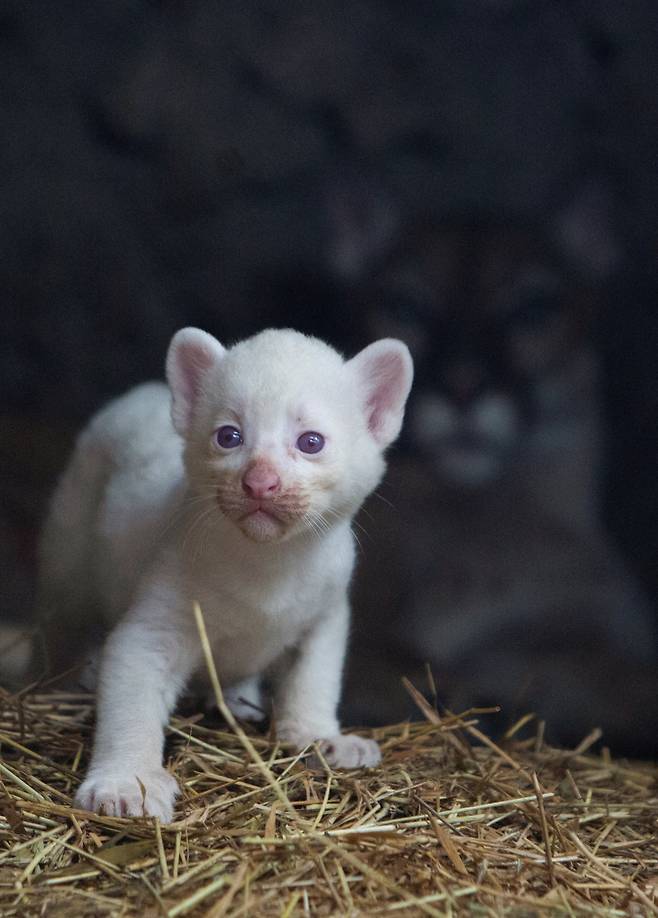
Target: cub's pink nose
(260,482)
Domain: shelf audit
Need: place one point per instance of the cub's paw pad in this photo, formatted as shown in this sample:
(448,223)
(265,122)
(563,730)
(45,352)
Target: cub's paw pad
(118,793)
(348,751)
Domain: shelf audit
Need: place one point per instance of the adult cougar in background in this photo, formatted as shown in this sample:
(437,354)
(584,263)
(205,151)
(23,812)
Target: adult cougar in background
(491,564)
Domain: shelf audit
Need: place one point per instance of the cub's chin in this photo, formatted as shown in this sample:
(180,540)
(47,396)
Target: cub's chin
(262,527)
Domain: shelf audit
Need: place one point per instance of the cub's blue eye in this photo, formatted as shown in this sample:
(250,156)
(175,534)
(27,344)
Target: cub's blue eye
(310,442)
(228,436)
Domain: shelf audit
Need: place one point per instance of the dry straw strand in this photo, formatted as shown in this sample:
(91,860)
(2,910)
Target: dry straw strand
(448,824)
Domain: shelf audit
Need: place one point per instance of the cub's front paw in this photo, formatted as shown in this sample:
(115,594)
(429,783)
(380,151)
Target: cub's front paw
(344,750)
(116,792)
(349,751)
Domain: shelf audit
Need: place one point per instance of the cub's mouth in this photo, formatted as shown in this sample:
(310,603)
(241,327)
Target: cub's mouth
(260,508)
(264,519)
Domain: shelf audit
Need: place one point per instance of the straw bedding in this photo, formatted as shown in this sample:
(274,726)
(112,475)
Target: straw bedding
(451,823)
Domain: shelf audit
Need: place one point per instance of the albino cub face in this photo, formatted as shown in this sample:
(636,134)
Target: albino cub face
(283,433)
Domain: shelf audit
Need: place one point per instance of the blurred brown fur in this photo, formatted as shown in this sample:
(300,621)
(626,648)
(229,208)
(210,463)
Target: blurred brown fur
(484,556)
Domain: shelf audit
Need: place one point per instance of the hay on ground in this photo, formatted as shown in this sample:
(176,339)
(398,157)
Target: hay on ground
(451,823)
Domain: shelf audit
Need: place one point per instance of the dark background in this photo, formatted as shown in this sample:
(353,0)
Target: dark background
(169,163)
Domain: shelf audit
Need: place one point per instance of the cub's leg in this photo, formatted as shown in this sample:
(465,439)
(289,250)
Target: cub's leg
(69,621)
(145,663)
(308,692)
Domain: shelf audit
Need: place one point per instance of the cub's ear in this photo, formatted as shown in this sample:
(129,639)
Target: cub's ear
(384,372)
(192,355)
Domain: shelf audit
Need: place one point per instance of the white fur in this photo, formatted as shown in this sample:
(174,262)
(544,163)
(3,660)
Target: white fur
(149,518)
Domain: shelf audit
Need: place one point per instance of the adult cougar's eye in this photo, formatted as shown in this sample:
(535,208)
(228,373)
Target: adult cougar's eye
(310,442)
(228,436)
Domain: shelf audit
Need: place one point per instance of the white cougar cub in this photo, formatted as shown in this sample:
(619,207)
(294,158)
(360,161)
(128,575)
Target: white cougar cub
(245,504)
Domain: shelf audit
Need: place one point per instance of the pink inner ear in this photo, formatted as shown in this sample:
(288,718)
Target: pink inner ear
(386,376)
(190,362)
(193,361)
